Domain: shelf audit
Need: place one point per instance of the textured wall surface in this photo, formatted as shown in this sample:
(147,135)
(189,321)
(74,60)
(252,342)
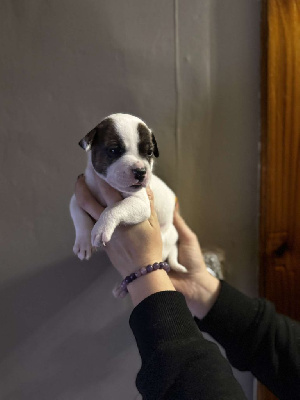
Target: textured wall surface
(191,71)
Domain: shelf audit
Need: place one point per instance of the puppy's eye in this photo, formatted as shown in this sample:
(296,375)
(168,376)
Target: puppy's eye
(114,151)
(149,153)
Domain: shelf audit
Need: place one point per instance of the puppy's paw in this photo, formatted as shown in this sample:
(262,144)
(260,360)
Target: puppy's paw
(83,246)
(175,266)
(102,232)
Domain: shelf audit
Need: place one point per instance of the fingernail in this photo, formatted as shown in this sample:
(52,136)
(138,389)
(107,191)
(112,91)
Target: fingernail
(79,176)
(177,205)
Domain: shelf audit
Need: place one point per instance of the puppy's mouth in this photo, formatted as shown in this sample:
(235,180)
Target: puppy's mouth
(138,185)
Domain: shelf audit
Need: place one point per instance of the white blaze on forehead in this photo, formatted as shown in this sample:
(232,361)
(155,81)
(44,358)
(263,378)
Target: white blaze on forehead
(127,127)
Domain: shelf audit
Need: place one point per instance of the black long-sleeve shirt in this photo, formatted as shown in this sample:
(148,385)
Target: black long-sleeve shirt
(178,363)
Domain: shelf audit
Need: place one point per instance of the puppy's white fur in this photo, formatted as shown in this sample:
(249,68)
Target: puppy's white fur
(135,206)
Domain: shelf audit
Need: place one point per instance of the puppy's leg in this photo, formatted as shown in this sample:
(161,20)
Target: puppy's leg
(129,211)
(170,250)
(173,260)
(83,227)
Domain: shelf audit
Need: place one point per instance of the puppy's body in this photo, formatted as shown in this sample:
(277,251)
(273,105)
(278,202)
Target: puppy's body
(122,149)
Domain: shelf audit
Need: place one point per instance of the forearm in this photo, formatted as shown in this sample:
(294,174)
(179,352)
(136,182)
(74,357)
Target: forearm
(256,339)
(207,289)
(177,362)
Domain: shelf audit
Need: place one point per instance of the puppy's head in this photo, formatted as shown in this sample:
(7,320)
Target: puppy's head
(122,151)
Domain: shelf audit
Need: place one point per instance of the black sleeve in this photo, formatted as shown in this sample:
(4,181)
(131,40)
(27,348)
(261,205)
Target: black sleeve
(177,362)
(257,339)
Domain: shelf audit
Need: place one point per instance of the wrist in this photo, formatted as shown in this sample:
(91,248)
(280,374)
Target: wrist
(151,283)
(207,289)
(140,263)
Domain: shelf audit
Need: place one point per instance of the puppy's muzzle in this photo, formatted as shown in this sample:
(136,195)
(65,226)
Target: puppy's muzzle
(139,173)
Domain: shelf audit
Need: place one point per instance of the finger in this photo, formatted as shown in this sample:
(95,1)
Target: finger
(177,208)
(149,193)
(153,217)
(184,232)
(110,194)
(93,208)
(80,185)
(80,181)
(86,200)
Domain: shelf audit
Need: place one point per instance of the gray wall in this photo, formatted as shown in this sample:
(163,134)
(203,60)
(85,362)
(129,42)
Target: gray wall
(191,70)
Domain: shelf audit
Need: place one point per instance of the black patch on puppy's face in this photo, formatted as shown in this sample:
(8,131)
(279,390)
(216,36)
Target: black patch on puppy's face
(107,146)
(147,144)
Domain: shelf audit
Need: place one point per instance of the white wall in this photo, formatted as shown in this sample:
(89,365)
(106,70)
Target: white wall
(191,70)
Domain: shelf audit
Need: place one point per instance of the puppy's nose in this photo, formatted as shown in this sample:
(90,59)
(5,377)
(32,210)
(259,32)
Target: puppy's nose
(139,173)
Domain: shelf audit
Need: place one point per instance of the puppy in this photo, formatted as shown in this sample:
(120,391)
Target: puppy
(121,151)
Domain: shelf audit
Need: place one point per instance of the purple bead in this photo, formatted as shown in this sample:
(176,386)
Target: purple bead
(155,266)
(149,268)
(138,273)
(132,277)
(167,267)
(122,289)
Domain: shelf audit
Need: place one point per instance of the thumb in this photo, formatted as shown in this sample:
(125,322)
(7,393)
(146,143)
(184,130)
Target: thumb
(153,217)
(184,232)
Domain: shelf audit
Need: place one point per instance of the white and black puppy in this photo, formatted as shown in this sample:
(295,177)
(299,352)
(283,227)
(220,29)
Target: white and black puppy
(122,150)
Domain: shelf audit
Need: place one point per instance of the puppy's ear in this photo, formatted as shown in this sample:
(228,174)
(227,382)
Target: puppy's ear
(155,148)
(86,142)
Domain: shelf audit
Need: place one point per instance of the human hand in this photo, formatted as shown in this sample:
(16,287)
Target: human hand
(131,246)
(198,286)
(86,200)
(135,246)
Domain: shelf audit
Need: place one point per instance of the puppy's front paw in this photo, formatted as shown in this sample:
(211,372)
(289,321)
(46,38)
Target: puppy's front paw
(102,231)
(83,246)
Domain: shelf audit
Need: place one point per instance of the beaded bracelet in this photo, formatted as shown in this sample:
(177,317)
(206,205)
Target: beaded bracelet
(121,290)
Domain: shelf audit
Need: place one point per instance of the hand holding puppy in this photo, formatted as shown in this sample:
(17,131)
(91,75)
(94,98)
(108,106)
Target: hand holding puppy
(139,245)
(131,246)
(199,287)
